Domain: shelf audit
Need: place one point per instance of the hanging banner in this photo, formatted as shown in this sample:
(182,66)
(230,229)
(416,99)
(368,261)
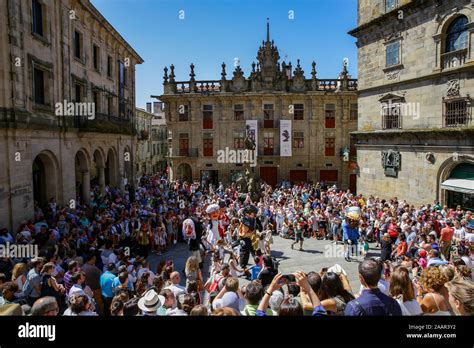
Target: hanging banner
(285,138)
(251,128)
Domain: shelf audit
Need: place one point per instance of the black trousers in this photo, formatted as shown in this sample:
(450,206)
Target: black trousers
(245,250)
(107,303)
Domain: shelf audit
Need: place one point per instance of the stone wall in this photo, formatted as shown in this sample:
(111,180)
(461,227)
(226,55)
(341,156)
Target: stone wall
(417,181)
(16,171)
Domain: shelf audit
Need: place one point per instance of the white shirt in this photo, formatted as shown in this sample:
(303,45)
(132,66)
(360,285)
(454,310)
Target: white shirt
(176,289)
(76,290)
(410,307)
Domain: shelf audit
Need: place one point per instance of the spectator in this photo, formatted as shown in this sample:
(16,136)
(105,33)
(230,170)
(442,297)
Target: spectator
(402,289)
(372,301)
(461,295)
(45,306)
(431,283)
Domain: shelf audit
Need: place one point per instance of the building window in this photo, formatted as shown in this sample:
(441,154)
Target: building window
(239,140)
(392,54)
(77,44)
(121,89)
(268,114)
(298,140)
(391,115)
(183,111)
(37,17)
(39,88)
(110,105)
(184,144)
(268,143)
(457,35)
(353,112)
(207,117)
(330,116)
(109,66)
(299,112)
(330,148)
(390,5)
(238,112)
(96,57)
(208,144)
(78,94)
(96,97)
(457,112)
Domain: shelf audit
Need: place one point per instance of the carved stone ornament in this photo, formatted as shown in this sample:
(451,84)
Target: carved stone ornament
(391,161)
(238,84)
(453,88)
(393,75)
(299,84)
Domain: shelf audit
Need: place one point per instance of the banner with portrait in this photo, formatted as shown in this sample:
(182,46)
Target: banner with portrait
(285,138)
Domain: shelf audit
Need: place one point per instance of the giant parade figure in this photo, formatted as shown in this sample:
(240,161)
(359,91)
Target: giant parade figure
(249,224)
(350,232)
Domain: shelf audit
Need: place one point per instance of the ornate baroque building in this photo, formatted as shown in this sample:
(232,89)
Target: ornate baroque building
(62,52)
(301,125)
(416,78)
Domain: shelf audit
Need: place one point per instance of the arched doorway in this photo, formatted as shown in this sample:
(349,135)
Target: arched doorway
(45,178)
(458,187)
(184,172)
(98,170)
(110,172)
(82,170)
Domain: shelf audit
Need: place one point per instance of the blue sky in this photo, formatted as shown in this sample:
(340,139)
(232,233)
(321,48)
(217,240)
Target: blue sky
(216,31)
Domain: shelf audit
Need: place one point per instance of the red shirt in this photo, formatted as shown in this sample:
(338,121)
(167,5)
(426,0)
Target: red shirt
(392,230)
(447,234)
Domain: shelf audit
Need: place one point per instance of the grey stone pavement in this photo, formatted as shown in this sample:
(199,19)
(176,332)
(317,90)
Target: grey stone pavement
(316,254)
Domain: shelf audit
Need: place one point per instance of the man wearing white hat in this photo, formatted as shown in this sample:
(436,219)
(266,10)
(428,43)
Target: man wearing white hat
(150,302)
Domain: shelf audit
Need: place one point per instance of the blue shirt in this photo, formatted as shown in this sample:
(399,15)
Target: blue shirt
(106,281)
(116,283)
(349,233)
(436,261)
(373,302)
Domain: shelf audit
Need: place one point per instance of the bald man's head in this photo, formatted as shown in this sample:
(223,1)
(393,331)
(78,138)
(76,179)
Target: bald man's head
(45,306)
(175,278)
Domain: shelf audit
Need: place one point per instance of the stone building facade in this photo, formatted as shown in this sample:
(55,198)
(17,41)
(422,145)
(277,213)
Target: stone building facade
(67,102)
(207,118)
(415,137)
(152,141)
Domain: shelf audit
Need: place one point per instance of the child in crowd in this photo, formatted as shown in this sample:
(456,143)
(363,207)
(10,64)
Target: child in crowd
(364,247)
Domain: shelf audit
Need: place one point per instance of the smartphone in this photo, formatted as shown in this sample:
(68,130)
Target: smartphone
(289,278)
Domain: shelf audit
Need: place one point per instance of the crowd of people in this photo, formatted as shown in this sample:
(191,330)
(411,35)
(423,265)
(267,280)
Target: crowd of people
(94,258)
